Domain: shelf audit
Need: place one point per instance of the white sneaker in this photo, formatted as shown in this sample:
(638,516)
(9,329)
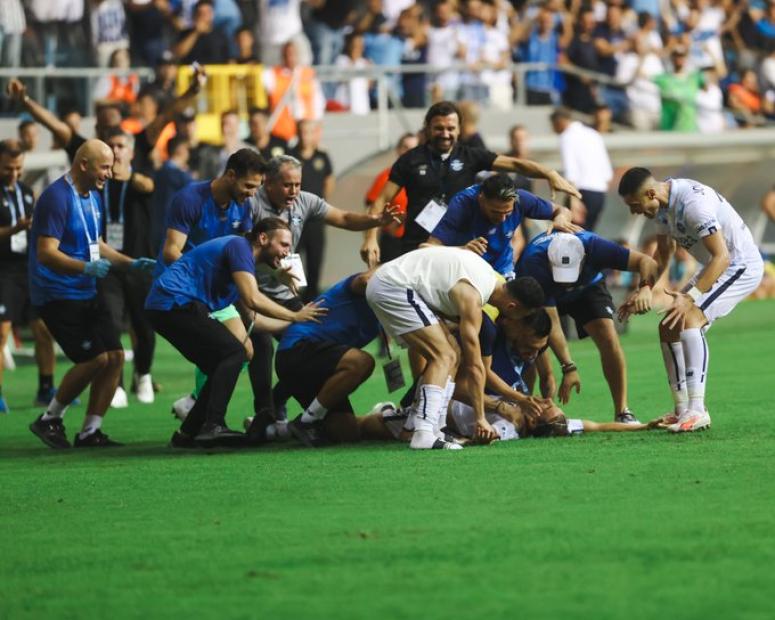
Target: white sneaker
(427,440)
(182,406)
(145,389)
(120,401)
(247,422)
(8,361)
(691,421)
(381,407)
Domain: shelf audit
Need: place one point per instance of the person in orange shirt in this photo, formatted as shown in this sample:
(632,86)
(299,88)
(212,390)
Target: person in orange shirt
(390,237)
(308,101)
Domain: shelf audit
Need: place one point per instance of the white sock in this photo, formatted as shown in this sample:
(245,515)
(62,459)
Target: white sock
(696,355)
(55,410)
(429,403)
(277,431)
(91,424)
(449,390)
(314,413)
(673,355)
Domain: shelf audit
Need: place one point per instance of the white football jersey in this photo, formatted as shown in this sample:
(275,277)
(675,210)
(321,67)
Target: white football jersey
(433,272)
(695,211)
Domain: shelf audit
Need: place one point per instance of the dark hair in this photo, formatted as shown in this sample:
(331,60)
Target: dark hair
(561,113)
(644,17)
(266,226)
(112,132)
(24,124)
(173,144)
(11,147)
(499,186)
(539,323)
(405,136)
(442,108)
(632,180)
(556,427)
(244,162)
(527,291)
(257,110)
(229,112)
(209,3)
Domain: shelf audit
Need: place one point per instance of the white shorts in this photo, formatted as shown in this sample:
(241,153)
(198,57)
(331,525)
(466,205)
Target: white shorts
(400,310)
(732,287)
(464,421)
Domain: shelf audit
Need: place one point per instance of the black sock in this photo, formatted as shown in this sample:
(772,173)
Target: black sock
(45,382)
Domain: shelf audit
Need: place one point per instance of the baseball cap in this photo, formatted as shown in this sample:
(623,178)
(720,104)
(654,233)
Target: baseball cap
(566,252)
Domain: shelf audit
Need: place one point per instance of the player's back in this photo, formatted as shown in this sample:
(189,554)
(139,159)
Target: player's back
(695,211)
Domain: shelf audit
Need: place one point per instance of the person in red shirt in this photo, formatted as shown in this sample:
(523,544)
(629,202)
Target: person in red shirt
(390,237)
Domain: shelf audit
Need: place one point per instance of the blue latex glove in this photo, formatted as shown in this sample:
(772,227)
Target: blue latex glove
(143,264)
(97,268)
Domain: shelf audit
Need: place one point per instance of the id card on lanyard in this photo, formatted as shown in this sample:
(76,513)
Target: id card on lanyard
(19,239)
(436,208)
(94,242)
(115,229)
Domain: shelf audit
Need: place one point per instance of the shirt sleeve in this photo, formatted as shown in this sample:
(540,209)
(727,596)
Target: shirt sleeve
(701,216)
(534,207)
(452,229)
(318,208)
(238,256)
(605,254)
(487,335)
(183,214)
(484,159)
(399,171)
(51,214)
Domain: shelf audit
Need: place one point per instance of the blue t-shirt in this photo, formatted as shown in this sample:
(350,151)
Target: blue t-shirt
(194,213)
(57,215)
(204,274)
(350,320)
(465,221)
(600,254)
(505,363)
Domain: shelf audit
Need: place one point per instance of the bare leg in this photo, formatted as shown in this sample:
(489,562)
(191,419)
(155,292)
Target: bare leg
(606,339)
(79,377)
(104,384)
(5,330)
(44,347)
(353,368)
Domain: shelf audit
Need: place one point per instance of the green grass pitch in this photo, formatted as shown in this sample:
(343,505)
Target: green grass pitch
(637,525)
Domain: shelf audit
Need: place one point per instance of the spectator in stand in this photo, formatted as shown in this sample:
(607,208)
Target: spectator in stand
(165,80)
(280,23)
(496,55)
(585,163)
(144,113)
(768,69)
(245,43)
(602,119)
(371,20)
(12,27)
(390,235)
(765,25)
(610,43)
(445,47)
(354,93)
(519,148)
(61,26)
(185,128)
(203,43)
(325,28)
(306,102)
(213,158)
(173,175)
(317,177)
(411,32)
(264,142)
(710,105)
(29,135)
(580,92)
(543,41)
(147,23)
(745,100)
(469,125)
(472,32)
(108,30)
(117,88)
(678,90)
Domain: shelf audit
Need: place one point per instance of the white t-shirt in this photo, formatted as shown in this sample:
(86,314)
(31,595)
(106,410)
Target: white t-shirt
(710,109)
(642,92)
(585,159)
(696,211)
(443,46)
(495,43)
(354,92)
(280,20)
(433,272)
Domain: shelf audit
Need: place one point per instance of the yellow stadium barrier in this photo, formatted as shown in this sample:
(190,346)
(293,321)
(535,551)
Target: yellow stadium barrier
(229,87)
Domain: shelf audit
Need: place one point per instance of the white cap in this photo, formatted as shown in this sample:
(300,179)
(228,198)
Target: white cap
(566,252)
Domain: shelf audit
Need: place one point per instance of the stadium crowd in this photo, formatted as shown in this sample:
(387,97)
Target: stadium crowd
(680,65)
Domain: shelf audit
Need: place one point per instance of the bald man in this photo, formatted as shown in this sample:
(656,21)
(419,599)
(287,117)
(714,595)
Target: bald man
(66,257)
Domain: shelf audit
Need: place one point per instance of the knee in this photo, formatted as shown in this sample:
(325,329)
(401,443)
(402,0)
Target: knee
(115,358)
(101,361)
(448,357)
(605,336)
(358,363)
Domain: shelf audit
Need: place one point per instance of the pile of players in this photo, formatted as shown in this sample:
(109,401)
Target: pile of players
(477,326)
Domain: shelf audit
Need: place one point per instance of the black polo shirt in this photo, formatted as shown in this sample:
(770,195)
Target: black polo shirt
(425,177)
(314,171)
(9,199)
(124,203)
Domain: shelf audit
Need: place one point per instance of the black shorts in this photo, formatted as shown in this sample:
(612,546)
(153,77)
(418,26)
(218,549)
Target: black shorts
(82,327)
(306,366)
(594,303)
(15,303)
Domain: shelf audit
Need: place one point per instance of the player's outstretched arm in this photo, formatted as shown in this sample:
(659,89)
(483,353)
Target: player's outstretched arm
(558,344)
(255,300)
(615,427)
(59,129)
(534,170)
(350,220)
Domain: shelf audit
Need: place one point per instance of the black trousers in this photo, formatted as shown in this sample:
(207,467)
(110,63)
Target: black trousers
(313,245)
(260,367)
(209,345)
(126,291)
(594,203)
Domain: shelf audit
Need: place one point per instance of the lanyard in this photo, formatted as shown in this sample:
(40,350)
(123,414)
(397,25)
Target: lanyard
(19,203)
(441,169)
(121,199)
(79,208)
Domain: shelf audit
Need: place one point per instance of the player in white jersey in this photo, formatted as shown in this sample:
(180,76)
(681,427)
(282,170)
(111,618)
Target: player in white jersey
(701,220)
(410,293)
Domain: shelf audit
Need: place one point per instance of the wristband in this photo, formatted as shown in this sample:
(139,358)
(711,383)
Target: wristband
(694,293)
(568,367)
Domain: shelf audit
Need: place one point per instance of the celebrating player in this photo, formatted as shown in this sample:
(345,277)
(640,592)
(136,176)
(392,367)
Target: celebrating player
(699,219)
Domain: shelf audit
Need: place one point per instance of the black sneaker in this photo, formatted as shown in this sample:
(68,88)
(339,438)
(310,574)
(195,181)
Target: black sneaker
(181,440)
(215,432)
(50,432)
(256,431)
(97,439)
(626,417)
(311,435)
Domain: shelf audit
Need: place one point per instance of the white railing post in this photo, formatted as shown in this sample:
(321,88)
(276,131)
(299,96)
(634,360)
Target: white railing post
(383,118)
